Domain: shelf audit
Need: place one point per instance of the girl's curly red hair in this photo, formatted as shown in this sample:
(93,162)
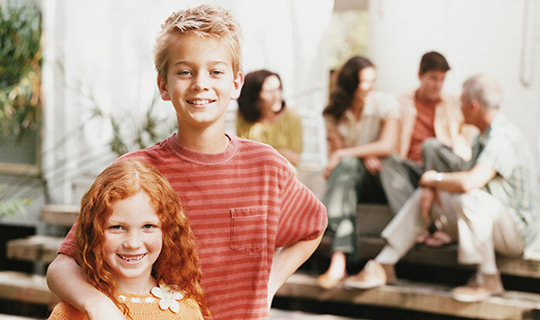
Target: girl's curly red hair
(177,263)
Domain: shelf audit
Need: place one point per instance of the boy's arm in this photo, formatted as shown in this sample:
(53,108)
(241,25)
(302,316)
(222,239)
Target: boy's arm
(287,261)
(65,279)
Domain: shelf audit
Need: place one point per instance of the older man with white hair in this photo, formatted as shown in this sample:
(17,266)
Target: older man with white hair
(491,207)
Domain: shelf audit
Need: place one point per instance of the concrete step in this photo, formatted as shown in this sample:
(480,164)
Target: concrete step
(372,219)
(11,317)
(277,314)
(62,215)
(35,248)
(420,297)
(25,288)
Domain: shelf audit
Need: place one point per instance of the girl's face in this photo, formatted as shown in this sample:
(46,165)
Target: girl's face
(132,242)
(271,94)
(367,77)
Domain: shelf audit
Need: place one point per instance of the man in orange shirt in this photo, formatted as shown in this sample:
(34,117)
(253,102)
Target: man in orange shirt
(433,134)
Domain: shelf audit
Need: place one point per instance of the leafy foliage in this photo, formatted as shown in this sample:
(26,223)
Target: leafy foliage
(144,132)
(20,70)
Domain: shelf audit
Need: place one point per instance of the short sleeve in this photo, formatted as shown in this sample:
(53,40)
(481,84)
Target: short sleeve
(302,215)
(498,155)
(387,105)
(331,125)
(68,245)
(65,311)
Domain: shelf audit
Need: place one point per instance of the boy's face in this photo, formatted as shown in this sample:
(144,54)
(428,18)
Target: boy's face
(431,83)
(200,81)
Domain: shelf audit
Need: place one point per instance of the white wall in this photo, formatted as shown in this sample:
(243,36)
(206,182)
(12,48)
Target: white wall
(100,52)
(497,37)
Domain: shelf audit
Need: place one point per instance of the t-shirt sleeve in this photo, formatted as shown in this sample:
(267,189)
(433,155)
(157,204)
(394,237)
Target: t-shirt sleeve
(388,106)
(331,126)
(68,245)
(302,216)
(65,311)
(498,155)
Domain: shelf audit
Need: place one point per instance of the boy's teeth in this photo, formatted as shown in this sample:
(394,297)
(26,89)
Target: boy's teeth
(200,101)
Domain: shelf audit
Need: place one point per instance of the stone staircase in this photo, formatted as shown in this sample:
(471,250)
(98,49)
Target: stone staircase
(425,277)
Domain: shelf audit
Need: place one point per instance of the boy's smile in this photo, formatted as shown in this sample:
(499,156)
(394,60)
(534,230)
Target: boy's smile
(200,81)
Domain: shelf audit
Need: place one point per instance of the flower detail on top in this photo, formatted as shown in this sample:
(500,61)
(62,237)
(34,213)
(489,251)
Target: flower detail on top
(168,297)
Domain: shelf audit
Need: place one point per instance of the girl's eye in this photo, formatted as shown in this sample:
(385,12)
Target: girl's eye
(149,226)
(116,227)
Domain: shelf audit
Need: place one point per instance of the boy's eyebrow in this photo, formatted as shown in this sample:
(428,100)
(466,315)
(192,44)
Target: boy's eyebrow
(184,62)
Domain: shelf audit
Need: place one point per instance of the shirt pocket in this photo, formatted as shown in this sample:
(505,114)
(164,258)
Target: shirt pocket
(248,229)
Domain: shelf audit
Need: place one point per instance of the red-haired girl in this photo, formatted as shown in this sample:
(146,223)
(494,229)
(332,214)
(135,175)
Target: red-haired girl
(134,244)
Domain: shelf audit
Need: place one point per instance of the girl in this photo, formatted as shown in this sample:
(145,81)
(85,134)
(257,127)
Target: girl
(263,115)
(134,244)
(361,128)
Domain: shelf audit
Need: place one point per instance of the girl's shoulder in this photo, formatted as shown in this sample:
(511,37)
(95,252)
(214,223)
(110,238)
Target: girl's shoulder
(64,310)
(383,104)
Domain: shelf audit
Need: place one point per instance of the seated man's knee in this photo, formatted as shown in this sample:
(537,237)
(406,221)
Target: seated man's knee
(430,147)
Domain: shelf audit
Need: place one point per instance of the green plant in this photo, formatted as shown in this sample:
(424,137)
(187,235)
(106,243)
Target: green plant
(20,70)
(144,133)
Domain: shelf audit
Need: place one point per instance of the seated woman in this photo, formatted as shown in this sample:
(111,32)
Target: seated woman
(263,115)
(133,243)
(361,127)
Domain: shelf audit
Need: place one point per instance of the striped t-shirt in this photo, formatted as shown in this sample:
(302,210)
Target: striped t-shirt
(242,204)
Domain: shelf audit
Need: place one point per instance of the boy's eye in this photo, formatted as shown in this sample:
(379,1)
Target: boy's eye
(217,72)
(184,73)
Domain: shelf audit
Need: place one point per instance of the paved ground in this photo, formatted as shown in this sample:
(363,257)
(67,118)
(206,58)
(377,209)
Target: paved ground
(276,314)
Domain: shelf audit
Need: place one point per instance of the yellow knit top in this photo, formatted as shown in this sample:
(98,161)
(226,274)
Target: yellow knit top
(141,307)
(285,133)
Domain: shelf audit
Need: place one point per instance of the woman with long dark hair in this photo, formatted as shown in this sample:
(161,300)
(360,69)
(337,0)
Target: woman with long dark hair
(264,116)
(362,128)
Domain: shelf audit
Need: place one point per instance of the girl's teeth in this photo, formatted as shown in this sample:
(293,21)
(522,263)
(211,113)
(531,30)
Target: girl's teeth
(132,258)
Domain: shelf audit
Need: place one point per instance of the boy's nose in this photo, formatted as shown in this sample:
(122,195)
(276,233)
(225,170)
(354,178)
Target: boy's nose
(200,83)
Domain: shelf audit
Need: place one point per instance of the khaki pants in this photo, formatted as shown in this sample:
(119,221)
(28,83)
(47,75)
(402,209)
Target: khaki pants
(479,223)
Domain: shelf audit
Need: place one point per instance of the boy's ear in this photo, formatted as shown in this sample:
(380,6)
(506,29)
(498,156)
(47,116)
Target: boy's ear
(162,85)
(238,83)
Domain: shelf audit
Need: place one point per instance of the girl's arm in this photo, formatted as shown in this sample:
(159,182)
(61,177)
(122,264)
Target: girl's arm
(382,147)
(66,280)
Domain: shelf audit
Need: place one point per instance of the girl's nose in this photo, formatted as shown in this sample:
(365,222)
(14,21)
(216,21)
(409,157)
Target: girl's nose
(133,240)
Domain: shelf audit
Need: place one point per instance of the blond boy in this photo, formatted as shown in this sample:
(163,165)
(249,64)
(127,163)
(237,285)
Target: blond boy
(241,197)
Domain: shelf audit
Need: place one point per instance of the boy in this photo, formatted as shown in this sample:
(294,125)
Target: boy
(241,197)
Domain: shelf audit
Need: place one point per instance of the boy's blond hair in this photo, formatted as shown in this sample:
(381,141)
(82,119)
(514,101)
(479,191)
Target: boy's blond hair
(204,21)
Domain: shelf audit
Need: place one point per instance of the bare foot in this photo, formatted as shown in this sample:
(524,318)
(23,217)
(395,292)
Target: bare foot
(423,237)
(438,239)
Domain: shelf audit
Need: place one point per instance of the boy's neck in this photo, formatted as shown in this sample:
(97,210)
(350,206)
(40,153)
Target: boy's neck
(206,141)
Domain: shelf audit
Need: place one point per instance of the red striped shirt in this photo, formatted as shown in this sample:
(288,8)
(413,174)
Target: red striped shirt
(242,204)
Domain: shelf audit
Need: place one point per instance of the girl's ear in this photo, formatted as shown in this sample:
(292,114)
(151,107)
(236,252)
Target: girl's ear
(162,86)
